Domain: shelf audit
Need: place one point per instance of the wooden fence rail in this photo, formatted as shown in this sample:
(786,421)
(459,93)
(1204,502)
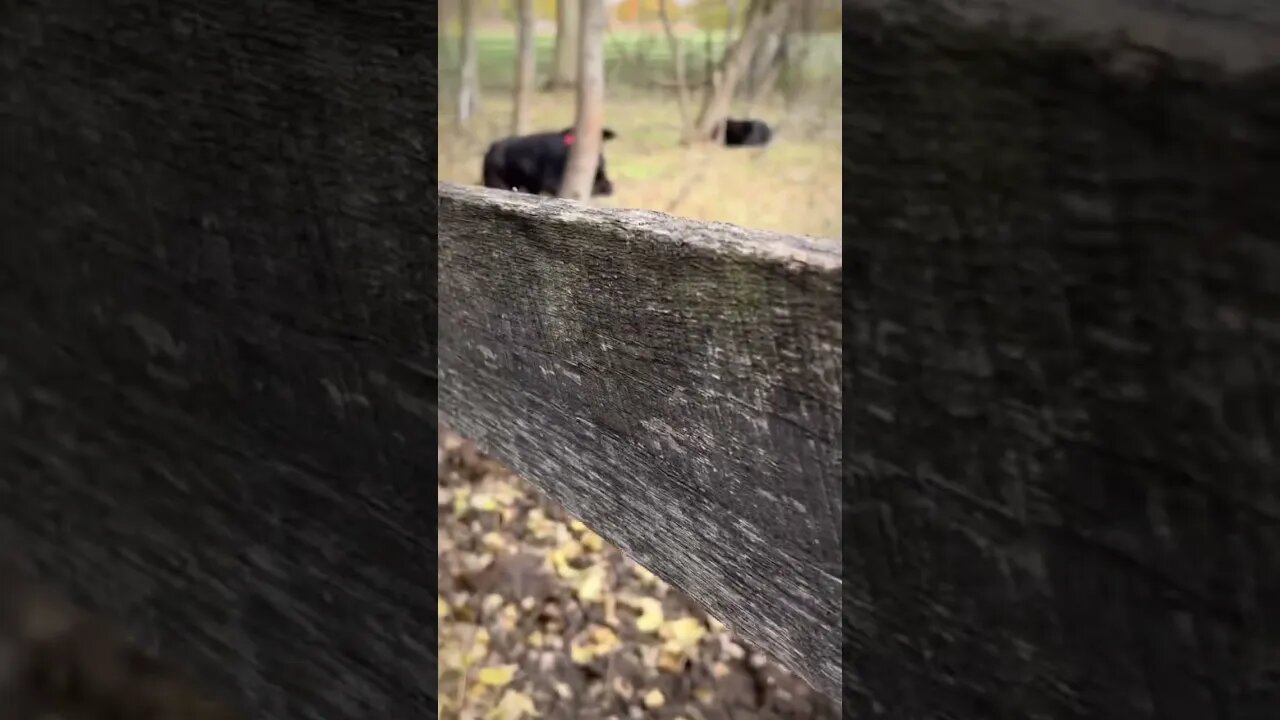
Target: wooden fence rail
(675,384)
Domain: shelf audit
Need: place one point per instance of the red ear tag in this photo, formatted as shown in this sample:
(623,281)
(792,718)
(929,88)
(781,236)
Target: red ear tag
(568,139)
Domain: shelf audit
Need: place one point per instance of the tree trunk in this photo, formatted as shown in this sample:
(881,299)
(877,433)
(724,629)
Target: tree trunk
(584,155)
(469,87)
(677,55)
(526,66)
(762,17)
(564,70)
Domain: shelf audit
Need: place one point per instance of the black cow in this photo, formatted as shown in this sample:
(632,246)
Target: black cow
(536,163)
(736,133)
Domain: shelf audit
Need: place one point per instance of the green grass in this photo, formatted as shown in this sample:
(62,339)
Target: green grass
(631,57)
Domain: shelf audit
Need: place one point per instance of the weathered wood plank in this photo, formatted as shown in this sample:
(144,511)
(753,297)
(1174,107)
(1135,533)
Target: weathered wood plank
(1064,361)
(217,392)
(674,384)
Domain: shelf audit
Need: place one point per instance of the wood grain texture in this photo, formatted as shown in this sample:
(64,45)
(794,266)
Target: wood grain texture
(1063,309)
(676,385)
(217,304)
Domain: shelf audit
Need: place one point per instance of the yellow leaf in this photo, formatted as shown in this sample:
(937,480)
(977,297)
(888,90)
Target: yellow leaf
(561,557)
(460,502)
(581,654)
(592,541)
(496,675)
(650,614)
(479,647)
(535,639)
(611,610)
(672,662)
(654,699)
(491,603)
(577,526)
(442,607)
(704,696)
(683,634)
(606,640)
(719,670)
(592,584)
(484,503)
(494,541)
(513,706)
(508,618)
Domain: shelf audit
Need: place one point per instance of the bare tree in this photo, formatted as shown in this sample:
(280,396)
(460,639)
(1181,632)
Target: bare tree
(763,17)
(525,66)
(682,86)
(584,155)
(564,68)
(469,88)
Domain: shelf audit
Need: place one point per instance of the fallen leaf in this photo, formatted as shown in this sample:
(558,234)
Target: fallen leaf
(672,662)
(611,610)
(563,690)
(581,654)
(460,503)
(494,541)
(719,670)
(682,635)
(577,526)
(442,607)
(599,640)
(606,640)
(650,618)
(496,675)
(491,603)
(591,585)
(654,699)
(592,542)
(623,687)
(704,696)
(484,503)
(513,706)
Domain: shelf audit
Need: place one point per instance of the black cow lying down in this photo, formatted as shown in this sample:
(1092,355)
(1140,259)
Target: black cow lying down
(745,132)
(536,163)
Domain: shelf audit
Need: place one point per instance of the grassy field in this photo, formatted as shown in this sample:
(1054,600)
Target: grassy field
(632,58)
(793,185)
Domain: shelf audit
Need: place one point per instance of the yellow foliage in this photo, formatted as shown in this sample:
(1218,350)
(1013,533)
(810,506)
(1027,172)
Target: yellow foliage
(599,641)
(513,706)
(484,503)
(682,635)
(592,542)
(654,699)
(496,675)
(651,617)
(591,585)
